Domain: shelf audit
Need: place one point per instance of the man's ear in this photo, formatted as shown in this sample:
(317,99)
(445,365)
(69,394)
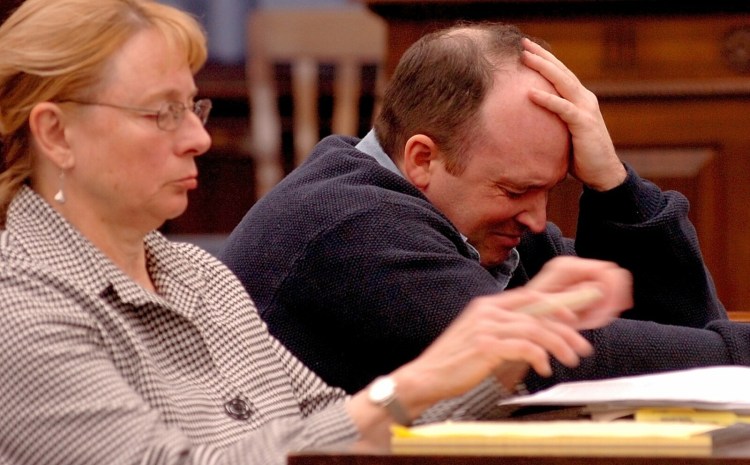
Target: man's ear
(420,155)
(48,132)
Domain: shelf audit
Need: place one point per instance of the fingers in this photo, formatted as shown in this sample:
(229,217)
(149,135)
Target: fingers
(566,272)
(497,329)
(549,66)
(570,273)
(536,49)
(489,333)
(496,332)
(571,301)
(500,329)
(536,340)
(595,161)
(538,336)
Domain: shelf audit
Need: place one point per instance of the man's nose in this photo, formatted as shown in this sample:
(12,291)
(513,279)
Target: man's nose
(534,214)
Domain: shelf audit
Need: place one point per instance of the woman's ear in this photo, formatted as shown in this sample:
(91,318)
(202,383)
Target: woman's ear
(48,133)
(420,155)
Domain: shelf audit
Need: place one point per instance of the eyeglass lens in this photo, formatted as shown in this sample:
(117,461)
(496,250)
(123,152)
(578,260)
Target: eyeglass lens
(171,114)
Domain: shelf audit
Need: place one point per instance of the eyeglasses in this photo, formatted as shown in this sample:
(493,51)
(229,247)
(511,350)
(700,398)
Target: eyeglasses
(168,117)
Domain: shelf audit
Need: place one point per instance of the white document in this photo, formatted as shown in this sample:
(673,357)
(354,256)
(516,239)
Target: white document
(712,388)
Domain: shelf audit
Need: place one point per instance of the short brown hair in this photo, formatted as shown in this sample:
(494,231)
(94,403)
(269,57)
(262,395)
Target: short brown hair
(440,84)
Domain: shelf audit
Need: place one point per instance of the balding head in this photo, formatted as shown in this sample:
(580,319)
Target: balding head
(440,83)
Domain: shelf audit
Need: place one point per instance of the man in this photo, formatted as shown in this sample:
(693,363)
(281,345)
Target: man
(365,253)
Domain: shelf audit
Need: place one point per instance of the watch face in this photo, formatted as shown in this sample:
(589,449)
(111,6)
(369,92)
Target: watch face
(382,390)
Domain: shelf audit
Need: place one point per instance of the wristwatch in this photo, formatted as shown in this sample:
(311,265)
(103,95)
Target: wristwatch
(382,392)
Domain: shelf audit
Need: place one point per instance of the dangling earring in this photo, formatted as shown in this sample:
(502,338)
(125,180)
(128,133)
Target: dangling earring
(60,196)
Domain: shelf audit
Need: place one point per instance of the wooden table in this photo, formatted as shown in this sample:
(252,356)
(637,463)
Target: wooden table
(738,456)
(673,81)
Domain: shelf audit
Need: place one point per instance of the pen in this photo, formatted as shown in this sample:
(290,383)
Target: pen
(575,300)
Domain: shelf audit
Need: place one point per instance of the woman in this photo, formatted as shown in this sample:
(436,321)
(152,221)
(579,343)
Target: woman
(120,347)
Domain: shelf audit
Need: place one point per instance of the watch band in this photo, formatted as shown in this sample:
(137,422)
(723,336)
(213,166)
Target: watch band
(398,412)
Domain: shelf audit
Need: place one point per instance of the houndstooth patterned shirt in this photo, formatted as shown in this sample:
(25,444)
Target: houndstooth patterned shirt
(94,369)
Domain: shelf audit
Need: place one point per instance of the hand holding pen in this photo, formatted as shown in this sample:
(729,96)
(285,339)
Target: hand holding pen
(527,325)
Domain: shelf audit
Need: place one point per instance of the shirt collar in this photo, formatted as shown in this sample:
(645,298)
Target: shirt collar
(370,145)
(34,227)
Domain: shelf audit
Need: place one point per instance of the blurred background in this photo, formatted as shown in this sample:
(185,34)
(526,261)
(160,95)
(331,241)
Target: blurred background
(225,21)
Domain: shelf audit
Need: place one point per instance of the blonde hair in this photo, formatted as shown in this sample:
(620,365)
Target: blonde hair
(53,50)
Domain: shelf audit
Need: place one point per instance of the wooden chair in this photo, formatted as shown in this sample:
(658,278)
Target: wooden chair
(306,39)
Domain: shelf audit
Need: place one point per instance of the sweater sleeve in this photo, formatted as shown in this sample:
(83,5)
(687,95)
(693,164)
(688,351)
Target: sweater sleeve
(736,336)
(628,347)
(648,232)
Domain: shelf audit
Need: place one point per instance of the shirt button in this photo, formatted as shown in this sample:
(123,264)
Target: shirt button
(238,409)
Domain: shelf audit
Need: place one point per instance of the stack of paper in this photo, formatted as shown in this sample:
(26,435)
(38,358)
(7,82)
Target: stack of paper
(685,429)
(578,438)
(721,388)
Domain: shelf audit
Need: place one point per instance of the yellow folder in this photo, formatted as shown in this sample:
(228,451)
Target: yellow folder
(577,438)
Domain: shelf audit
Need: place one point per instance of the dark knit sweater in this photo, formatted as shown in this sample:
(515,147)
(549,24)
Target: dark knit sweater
(356,272)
